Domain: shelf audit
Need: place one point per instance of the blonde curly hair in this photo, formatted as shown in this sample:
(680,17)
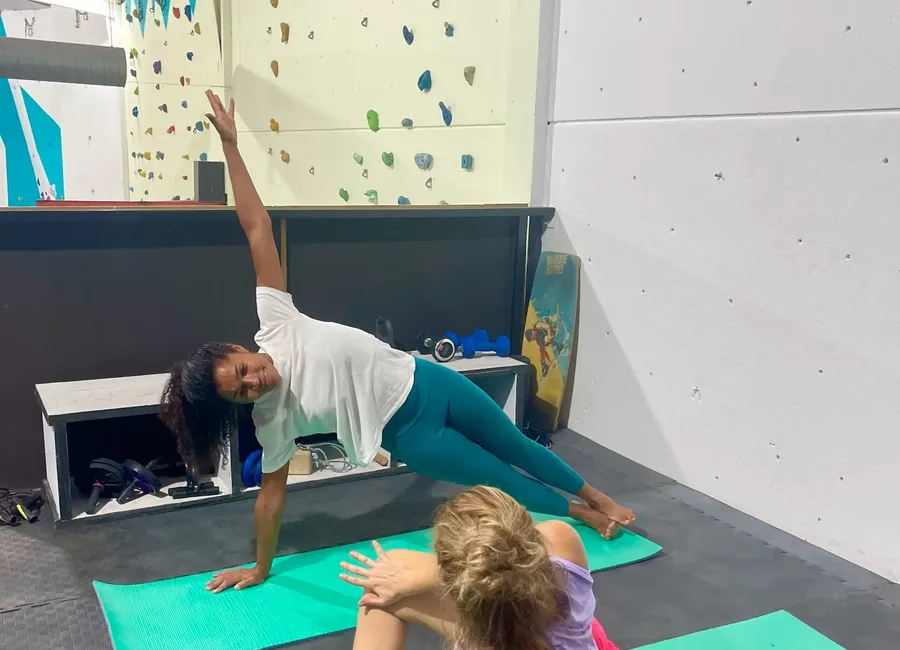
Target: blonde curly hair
(494,565)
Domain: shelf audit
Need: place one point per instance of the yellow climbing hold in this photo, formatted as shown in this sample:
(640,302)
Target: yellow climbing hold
(186,157)
(149,130)
(274,4)
(273,125)
(196,28)
(147,155)
(285,156)
(275,68)
(285,32)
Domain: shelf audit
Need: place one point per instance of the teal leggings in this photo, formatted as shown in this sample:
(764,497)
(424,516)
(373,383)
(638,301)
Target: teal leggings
(450,430)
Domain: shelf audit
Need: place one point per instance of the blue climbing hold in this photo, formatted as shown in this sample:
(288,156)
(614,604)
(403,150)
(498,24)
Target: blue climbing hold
(448,30)
(424,161)
(425,81)
(190,56)
(466,161)
(402,200)
(198,126)
(407,35)
(446,114)
(184,103)
(406,123)
(204,157)
(164,108)
(134,111)
(188,12)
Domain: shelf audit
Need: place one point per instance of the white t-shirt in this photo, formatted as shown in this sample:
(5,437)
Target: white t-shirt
(334,379)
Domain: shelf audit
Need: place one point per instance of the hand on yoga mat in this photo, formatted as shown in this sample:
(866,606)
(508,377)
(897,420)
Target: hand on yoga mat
(383,578)
(237,578)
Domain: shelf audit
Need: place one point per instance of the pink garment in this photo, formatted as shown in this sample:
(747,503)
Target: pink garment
(600,638)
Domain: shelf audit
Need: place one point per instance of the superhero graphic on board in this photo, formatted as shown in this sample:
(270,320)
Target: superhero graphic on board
(544,333)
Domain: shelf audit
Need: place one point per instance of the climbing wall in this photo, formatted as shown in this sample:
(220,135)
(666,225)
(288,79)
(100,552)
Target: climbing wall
(410,102)
(729,173)
(174,57)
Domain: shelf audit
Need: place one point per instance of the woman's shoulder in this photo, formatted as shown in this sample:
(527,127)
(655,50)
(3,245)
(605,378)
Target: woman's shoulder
(564,542)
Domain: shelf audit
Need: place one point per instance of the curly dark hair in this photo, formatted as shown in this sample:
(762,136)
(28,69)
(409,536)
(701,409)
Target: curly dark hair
(191,407)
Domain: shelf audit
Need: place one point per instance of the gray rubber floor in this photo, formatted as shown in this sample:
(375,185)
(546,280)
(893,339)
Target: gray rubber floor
(719,566)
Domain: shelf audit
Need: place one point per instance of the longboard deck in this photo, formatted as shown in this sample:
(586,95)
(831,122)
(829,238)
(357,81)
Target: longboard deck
(550,329)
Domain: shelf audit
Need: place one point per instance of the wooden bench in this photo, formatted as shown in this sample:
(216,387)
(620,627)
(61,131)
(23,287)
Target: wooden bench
(64,403)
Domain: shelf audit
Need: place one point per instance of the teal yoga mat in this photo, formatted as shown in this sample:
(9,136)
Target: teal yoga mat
(775,631)
(303,598)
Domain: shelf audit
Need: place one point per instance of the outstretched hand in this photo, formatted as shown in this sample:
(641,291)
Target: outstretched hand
(382,578)
(221,119)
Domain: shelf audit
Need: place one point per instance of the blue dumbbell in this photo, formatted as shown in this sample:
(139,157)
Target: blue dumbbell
(481,342)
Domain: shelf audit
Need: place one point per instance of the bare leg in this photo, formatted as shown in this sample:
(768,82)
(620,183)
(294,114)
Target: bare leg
(385,629)
(602,503)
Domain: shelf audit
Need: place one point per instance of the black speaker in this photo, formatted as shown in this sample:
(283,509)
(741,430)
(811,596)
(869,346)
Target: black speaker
(209,181)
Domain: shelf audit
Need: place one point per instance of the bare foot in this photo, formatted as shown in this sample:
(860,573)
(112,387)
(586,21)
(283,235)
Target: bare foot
(602,503)
(595,519)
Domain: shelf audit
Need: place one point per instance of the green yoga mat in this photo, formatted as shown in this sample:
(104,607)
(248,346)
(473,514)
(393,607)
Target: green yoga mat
(303,598)
(776,631)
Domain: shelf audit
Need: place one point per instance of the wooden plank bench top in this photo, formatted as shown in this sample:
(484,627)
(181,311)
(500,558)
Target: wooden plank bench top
(97,399)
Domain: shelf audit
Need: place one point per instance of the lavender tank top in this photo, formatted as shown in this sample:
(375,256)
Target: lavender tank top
(575,632)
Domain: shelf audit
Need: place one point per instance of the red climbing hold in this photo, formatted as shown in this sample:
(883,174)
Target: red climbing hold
(181,80)
(171,129)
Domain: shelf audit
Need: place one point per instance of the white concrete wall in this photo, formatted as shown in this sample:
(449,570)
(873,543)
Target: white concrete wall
(729,172)
(90,118)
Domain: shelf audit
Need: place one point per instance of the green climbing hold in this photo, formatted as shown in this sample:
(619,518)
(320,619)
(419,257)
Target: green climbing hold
(344,194)
(358,158)
(372,195)
(372,119)
(387,158)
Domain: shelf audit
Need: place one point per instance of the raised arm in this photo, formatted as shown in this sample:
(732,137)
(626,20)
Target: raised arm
(251,212)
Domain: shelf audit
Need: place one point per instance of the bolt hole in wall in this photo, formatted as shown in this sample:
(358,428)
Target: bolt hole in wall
(769,220)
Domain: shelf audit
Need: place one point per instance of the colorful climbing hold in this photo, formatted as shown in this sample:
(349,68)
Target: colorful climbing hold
(204,157)
(424,82)
(358,158)
(149,130)
(408,35)
(198,127)
(445,113)
(365,173)
(137,90)
(188,12)
(160,155)
(406,123)
(184,103)
(157,67)
(171,130)
(273,125)
(274,4)
(190,56)
(387,158)
(133,72)
(372,119)
(344,194)
(182,80)
(466,161)
(132,53)
(402,200)
(164,108)
(424,161)
(157,86)
(285,32)
(469,74)
(275,68)
(197,28)
(134,111)
(285,156)
(177,12)
(185,156)
(372,195)
(429,182)
(448,30)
